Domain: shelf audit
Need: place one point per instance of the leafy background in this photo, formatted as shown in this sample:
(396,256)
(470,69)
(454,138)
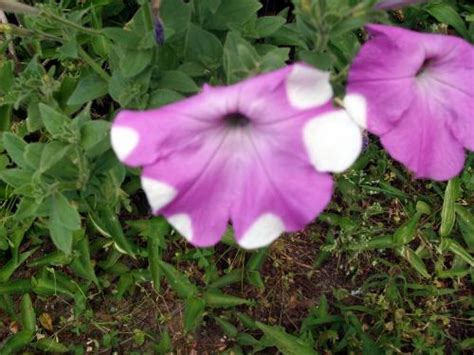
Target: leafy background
(84,267)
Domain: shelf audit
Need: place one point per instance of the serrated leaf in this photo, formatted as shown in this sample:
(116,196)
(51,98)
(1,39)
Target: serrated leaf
(286,343)
(193,313)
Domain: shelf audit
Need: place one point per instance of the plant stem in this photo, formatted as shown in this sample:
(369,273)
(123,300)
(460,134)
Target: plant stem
(96,67)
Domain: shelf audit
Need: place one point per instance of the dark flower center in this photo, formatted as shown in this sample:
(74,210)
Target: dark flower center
(426,64)
(236,120)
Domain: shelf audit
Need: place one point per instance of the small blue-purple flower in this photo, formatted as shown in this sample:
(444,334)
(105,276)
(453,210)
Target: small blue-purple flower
(159,31)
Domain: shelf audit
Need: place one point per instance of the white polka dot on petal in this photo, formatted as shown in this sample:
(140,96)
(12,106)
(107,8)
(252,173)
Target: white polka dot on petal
(356,106)
(307,87)
(333,141)
(158,193)
(183,224)
(262,232)
(124,140)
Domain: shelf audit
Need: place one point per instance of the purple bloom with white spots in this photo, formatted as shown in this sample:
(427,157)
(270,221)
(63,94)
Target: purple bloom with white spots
(396,4)
(416,92)
(256,153)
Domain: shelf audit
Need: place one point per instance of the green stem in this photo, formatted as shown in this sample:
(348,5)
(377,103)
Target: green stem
(68,23)
(96,67)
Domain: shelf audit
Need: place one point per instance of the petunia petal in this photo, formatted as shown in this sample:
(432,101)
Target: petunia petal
(416,92)
(163,131)
(411,143)
(198,181)
(278,190)
(333,141)
(285,93)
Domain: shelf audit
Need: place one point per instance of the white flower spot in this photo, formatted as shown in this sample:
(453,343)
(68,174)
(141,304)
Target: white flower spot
(333,141)
(124,141)
(356,106)
(262,232)
(183,224)
(158,193)
(307,87)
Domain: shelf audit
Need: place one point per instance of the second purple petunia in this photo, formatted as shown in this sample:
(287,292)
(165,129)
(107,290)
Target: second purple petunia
(256,153)
(416,92)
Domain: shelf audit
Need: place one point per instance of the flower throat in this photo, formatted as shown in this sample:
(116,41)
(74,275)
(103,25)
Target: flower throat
(236,120)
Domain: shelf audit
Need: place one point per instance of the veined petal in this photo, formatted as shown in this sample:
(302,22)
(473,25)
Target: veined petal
(285,93)
(416,92)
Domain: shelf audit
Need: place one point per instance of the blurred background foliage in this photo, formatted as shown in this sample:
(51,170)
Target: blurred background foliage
(388,268)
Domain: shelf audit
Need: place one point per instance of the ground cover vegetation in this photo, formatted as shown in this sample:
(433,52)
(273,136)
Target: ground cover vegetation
(84,267)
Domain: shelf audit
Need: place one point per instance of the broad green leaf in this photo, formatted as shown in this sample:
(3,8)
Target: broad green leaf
(54,121)
(89,88)
(93,133)
(178,81)
(202,46)
(65,213)
(268,25)
(232,14)
(52,154)
(15,147)
(161,97)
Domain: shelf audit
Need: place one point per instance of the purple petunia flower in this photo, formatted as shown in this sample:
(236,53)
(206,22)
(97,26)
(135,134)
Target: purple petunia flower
(416,91)
(255,153)
(395,4)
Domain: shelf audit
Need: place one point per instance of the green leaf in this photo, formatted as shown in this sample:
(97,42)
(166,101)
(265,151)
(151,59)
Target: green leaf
(63,220)
(445,13)
(406,233)
(268,25)
(52,154)
(286,343)
(414,260)
(17,342)
(161,97)
(448,216)
(50,345)
(176,15)
(232,14)
(122,37)
(60,235)
(93,133)
(89,88)
(217,299)
(177,80)
(456,248)
(27,313)
(133,61)
(65,213)
(54,121)
(193,313)
(202,46)
(178,281)
(15,147)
